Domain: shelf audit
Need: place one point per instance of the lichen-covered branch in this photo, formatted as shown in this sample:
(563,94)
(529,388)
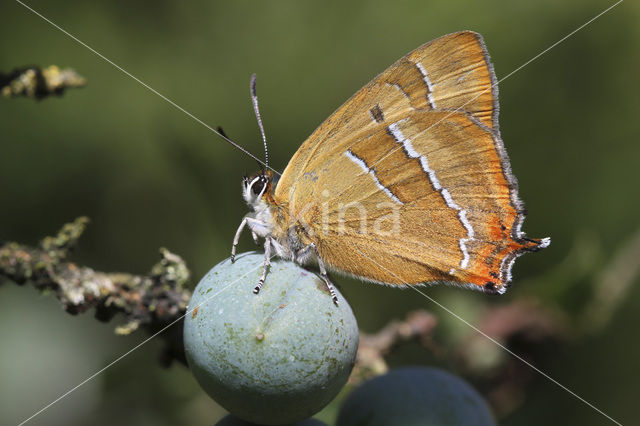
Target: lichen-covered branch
(151,301)
(38,83)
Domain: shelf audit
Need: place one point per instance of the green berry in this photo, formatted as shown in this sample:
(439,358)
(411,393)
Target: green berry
(415,396)
(273,358)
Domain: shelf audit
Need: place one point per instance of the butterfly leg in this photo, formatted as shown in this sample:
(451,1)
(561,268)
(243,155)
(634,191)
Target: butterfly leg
(237,238)
(327,281)
(323,271)
(265,265)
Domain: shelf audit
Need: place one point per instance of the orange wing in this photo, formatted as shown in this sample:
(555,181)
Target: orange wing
(418,149)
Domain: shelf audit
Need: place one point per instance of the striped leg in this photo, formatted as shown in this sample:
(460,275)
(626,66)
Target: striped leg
(323,271)
(327,281)
(265,265)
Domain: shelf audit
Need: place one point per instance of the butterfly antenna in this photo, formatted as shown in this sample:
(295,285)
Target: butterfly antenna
(254,99)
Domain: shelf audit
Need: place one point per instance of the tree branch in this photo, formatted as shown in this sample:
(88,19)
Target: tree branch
(151,301)
(373,348)
(38,83)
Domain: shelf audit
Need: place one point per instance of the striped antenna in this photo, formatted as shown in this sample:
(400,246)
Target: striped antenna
(254,99)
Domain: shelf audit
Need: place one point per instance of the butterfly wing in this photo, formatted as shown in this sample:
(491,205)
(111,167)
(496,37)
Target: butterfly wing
(408,182)
(450,72)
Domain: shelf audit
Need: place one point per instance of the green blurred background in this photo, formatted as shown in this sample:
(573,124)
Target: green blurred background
(149,176)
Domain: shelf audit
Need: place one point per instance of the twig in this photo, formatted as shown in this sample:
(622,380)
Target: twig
(38,83)
(370,360)
(526,325)
(151,301)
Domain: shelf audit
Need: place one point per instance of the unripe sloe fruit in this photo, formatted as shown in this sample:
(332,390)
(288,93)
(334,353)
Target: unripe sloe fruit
(273,358)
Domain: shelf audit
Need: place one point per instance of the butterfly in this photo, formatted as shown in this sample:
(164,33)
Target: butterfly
(407,183)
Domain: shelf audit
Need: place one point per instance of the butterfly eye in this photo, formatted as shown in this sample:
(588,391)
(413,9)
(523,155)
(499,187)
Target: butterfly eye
(258,185)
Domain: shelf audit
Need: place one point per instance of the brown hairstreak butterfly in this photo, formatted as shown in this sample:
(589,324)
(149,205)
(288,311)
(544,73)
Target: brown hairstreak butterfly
(406,183)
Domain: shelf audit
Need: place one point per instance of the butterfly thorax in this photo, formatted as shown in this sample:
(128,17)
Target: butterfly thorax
(271,219)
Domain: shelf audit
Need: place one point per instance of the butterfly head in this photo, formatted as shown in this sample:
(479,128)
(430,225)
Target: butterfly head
(257,188)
